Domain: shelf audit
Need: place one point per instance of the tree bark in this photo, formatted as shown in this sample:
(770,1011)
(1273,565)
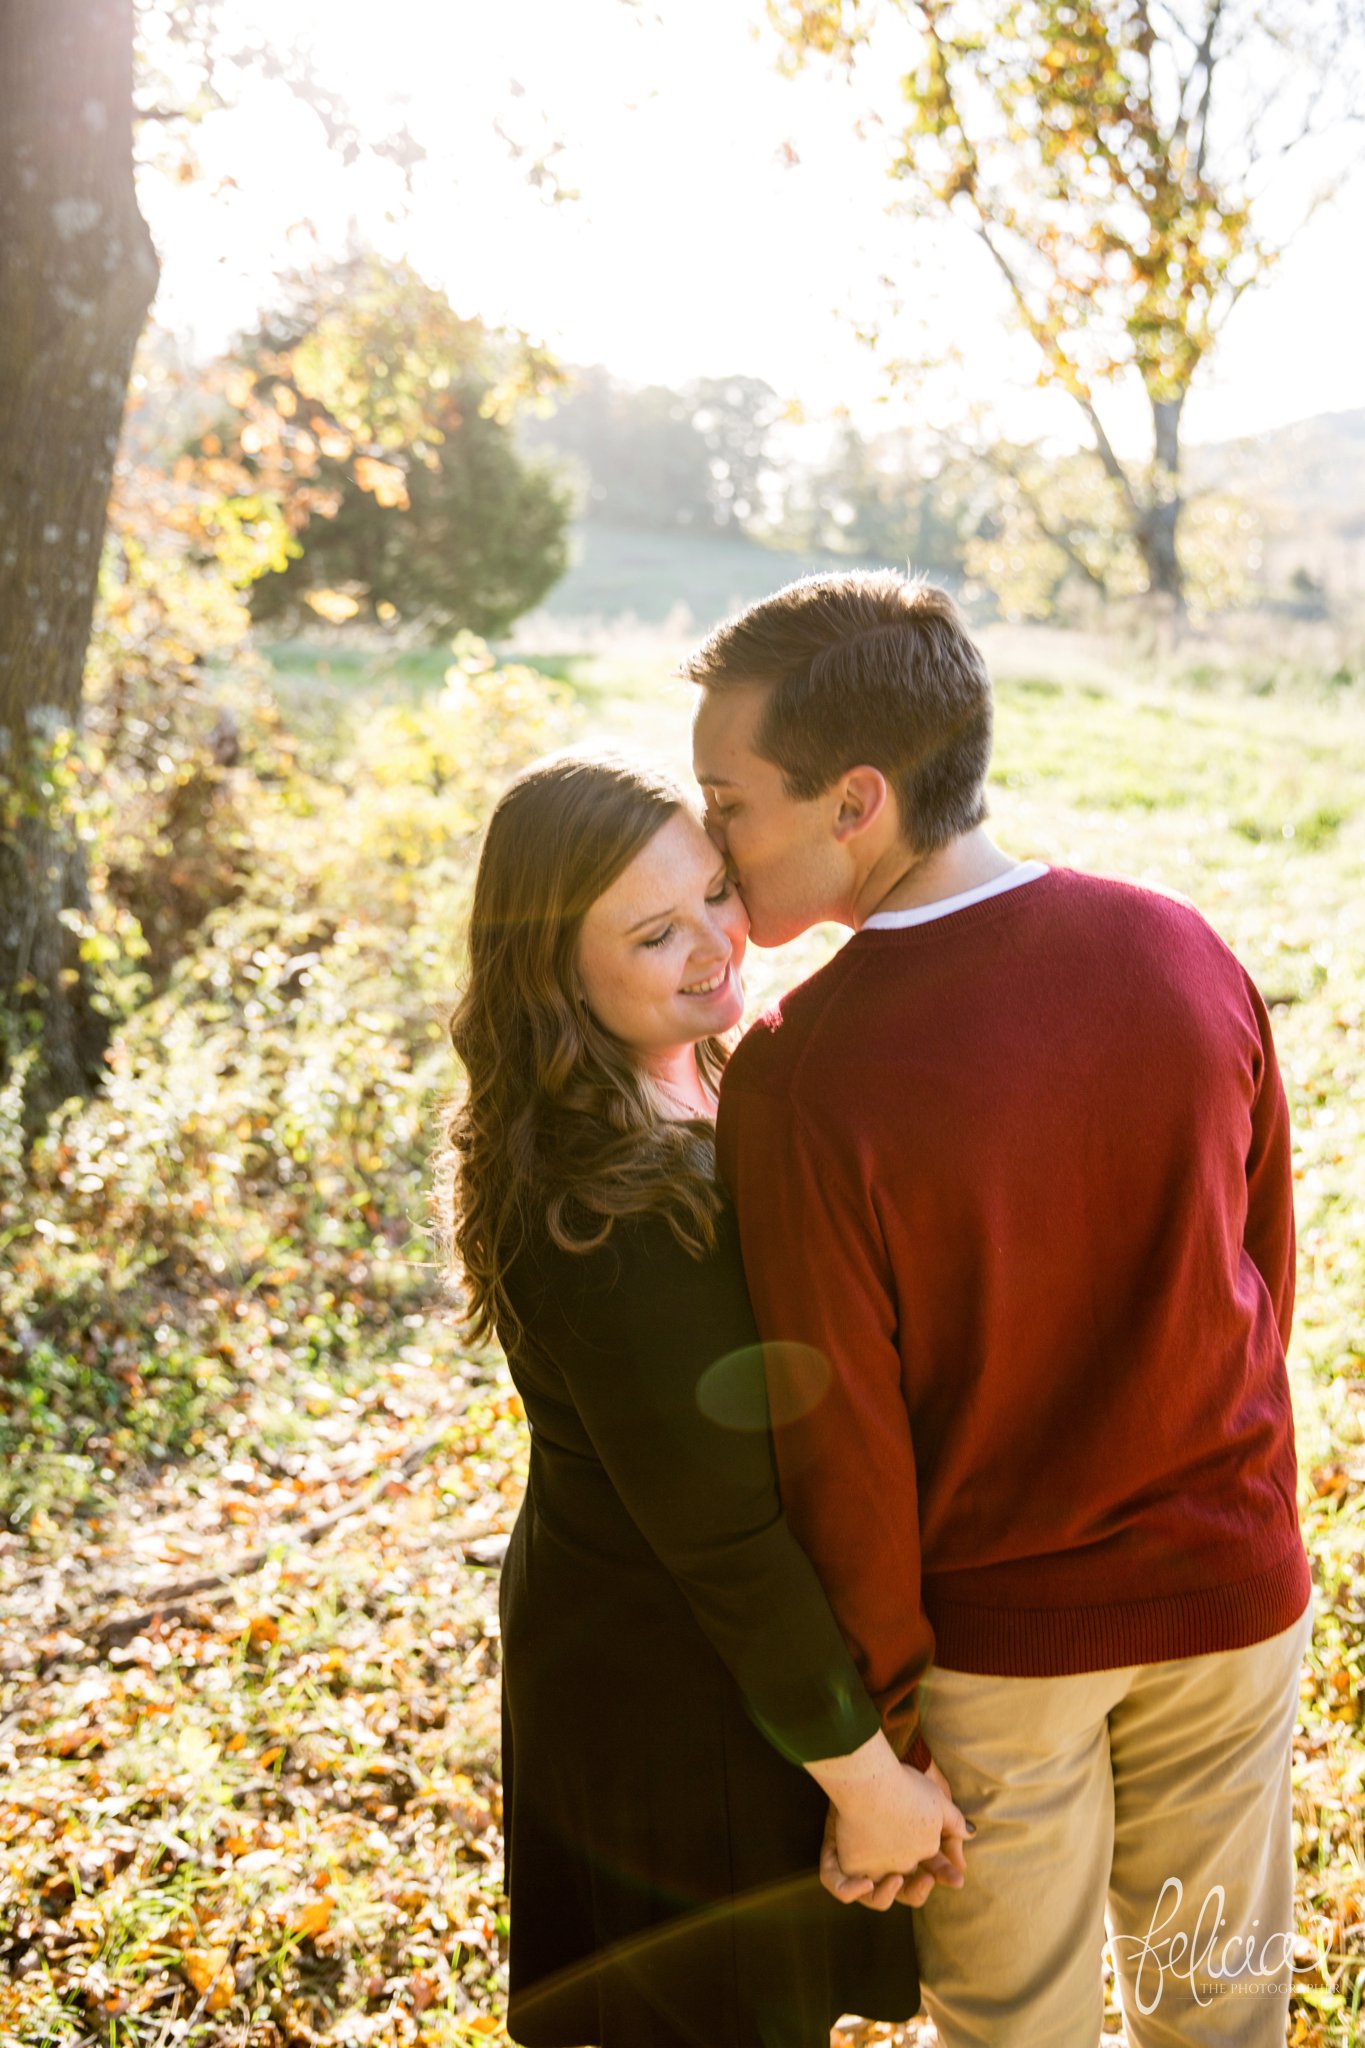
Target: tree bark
(77,275)
(1158,524)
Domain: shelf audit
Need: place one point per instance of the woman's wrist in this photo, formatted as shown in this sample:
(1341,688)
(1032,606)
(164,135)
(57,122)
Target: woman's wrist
(859,1778)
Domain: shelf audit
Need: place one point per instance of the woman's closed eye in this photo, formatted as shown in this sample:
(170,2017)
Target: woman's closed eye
(722,893)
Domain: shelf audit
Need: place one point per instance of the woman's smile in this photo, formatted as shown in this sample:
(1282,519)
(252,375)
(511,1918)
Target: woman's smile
(709,987)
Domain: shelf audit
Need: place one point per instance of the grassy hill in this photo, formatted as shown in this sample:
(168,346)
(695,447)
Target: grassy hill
(679,579)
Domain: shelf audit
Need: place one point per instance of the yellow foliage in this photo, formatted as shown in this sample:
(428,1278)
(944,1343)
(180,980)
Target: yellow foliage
(333,605)
(384,479)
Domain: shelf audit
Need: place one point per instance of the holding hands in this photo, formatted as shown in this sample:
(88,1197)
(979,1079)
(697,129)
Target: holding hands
(892,1833)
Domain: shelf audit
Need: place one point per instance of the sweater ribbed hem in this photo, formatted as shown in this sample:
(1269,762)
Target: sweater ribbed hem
(1051,1642)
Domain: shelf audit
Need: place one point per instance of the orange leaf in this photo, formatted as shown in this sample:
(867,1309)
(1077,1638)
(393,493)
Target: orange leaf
(385,479)
(207,1971)
(72,1741)
(314,1919)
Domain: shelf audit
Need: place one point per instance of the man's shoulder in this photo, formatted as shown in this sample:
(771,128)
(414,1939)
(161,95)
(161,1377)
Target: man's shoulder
(1118,899)
(1110,927)
(767,1057)
(1086,919)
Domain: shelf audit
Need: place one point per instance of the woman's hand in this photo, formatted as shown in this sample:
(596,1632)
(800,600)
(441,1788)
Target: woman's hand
(893,1848)
(900,1826)
(891,1832)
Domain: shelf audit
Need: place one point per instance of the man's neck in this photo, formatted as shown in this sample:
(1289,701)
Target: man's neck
(905,880)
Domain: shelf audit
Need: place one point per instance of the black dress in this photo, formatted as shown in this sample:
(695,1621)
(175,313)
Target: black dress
(657,1614)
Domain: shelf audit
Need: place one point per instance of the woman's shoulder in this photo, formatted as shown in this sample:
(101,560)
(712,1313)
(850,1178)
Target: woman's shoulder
(634,1247)
(642,1294)
(641,1259)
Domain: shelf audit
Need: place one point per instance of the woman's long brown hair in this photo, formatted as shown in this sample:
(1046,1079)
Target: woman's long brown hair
(556,1128)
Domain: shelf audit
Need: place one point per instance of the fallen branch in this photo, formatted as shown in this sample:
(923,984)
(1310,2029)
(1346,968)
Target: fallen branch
(170,1602)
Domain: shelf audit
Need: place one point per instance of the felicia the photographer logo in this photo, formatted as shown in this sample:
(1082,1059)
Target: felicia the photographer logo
(1207,1961)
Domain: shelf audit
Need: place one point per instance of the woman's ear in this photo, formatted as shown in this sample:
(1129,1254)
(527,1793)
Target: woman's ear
(863,797)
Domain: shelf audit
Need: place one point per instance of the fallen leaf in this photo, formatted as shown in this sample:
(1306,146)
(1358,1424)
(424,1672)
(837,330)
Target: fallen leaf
(425,1990)
(209,1975)
(314,1919)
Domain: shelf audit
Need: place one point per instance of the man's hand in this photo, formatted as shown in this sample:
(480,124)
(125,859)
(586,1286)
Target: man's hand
(919,1829)
(949,1867)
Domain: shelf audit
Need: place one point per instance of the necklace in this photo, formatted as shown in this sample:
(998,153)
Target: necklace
(691,1108)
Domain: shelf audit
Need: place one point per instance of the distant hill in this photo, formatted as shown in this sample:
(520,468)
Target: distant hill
(1306,484)
(1315,466)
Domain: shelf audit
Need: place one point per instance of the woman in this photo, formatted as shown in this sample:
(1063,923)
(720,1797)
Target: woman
(677,1699)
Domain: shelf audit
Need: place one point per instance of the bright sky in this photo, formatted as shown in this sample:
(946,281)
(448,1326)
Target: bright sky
(696,247)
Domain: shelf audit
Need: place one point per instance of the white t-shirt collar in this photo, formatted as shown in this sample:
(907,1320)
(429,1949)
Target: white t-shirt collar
(925,913)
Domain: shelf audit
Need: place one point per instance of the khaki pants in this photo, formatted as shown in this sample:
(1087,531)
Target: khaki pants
(1161,1791)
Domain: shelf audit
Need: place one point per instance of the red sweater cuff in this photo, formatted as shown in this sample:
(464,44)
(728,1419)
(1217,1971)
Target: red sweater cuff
(918,1753)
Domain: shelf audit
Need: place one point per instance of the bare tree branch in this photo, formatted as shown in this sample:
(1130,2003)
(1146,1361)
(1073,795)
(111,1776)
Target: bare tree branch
(1207,60)
(1068,375)
(1059,539)
(1269,257)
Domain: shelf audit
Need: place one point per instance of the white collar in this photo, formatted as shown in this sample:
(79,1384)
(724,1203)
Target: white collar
(925,913)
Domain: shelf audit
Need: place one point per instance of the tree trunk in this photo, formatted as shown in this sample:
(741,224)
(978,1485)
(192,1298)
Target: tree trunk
(1158,525)
(77,276)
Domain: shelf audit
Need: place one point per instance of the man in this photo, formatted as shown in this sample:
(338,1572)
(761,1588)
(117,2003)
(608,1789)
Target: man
(1013,1180)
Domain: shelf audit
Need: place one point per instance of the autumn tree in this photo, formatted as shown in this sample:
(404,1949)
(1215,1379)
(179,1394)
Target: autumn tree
(1112,159)
(379,422)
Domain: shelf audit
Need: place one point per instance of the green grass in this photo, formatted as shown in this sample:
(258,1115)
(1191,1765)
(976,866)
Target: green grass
(685,577)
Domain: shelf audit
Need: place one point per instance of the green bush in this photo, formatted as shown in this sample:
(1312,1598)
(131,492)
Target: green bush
(246,1196)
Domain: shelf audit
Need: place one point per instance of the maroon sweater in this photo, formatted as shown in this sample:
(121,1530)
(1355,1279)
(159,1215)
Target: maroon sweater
(1015,1187)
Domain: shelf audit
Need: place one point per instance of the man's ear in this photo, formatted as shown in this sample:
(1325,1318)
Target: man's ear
(863,796)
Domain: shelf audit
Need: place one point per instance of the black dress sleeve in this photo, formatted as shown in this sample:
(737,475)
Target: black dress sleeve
(662,1360)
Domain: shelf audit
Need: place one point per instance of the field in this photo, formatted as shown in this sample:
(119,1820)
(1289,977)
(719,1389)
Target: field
(671,581)
(269,1815)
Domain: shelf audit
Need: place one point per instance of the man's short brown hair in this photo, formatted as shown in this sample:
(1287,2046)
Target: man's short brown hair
(871,669)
